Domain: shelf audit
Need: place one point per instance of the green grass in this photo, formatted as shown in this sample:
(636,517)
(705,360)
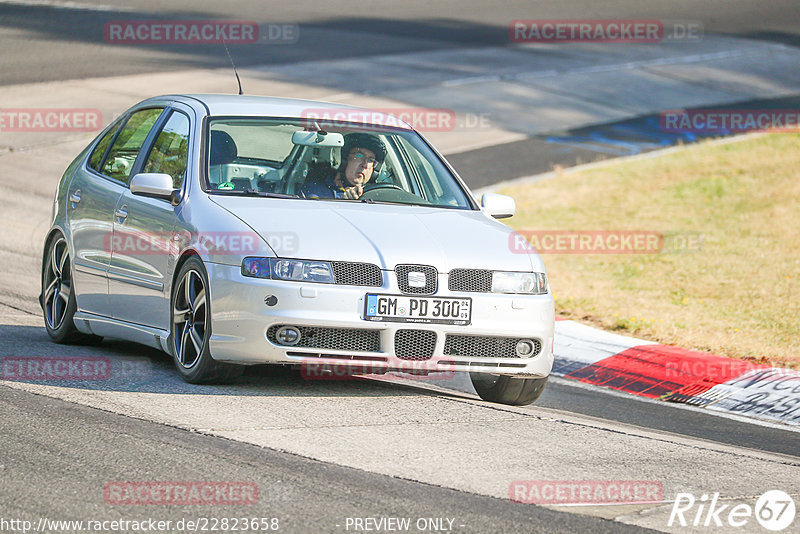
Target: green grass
(737,294)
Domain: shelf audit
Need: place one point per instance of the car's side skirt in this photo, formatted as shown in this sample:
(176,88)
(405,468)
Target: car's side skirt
(99,325)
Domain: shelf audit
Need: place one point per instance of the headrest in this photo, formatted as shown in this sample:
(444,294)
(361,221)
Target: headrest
(223,149)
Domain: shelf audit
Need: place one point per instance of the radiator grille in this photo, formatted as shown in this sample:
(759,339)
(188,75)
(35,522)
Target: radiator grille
(357,274)
(414,344)
(472,280)
(488,346)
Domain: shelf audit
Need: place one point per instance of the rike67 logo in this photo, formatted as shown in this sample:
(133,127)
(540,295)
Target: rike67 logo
(774,510)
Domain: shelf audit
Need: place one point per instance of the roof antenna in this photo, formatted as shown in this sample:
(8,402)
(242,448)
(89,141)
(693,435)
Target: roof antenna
(234,67)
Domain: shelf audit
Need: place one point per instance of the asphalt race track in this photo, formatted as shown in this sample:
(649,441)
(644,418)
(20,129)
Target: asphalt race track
(324,454)
(303,494)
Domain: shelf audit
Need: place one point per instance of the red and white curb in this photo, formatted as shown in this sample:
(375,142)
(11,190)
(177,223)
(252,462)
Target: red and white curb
(672,374)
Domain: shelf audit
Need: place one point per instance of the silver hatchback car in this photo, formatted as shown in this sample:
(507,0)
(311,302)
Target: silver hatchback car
(232,230)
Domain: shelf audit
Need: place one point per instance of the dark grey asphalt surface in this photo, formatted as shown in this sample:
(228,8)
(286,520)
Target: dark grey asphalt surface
(57,457)
(544,153)
(42,43)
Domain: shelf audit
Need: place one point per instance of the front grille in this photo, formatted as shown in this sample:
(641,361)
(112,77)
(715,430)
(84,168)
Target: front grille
(473,280)
(487,346)
(431,275)
(414,344)
(357,274)
(314,337)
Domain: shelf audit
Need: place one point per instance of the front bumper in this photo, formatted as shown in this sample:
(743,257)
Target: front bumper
(243,310)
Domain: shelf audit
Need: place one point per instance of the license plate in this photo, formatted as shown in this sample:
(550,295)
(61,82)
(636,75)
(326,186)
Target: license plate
(407,309)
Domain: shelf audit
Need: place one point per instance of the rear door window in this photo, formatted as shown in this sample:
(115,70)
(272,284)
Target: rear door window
(96,159)
(119,162)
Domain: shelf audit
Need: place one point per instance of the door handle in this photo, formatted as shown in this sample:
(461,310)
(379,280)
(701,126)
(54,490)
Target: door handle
(121,214)
(75,198)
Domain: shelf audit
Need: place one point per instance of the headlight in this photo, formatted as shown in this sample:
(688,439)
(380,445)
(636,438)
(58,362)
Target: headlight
(302,270)
(283,269)
(256,267)
(528,283)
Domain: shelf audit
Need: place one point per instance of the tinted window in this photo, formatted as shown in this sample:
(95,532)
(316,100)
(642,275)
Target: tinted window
(169,154)
(96,158)
(121,157)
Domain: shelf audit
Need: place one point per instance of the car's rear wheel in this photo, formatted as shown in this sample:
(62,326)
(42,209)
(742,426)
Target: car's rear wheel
(191,328)
(508,389)
(58,296)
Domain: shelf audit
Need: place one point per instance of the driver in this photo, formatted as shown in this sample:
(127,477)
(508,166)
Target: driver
(361,154)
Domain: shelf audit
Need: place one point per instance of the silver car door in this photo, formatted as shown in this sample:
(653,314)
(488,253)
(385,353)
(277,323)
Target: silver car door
(91,200)
(144,249)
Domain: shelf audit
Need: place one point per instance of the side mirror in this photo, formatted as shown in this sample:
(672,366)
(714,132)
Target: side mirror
(156,185)
(498,206)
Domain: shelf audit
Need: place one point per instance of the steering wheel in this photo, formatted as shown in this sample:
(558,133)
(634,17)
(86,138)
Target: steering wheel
(390,193)
(374,187)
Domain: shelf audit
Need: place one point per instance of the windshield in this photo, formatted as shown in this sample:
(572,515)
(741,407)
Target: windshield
(327,161)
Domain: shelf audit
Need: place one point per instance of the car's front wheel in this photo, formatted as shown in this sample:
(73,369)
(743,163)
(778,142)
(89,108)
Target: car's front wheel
(191,328)
(507,389)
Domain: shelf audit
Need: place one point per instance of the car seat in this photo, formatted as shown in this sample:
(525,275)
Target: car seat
(314,163)
(223,152)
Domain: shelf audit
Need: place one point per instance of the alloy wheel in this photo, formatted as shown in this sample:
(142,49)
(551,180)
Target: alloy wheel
(58,285)
(189,318)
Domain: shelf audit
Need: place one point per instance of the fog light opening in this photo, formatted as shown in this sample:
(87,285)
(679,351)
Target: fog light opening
(524,348)
(288,335)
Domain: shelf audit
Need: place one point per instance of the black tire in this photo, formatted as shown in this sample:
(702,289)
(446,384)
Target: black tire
(190,328)
(58,296)
(508,389)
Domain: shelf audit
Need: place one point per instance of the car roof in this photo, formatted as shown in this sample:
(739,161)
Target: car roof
(265,106)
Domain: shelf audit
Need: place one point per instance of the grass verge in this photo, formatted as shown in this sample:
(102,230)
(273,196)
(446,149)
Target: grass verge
(733,292)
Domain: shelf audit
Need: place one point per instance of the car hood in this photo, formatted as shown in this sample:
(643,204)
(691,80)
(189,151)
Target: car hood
(386,235)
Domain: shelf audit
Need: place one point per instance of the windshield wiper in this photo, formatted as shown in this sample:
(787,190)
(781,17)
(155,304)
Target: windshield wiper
(254,193)
(395,202)
(332,199)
